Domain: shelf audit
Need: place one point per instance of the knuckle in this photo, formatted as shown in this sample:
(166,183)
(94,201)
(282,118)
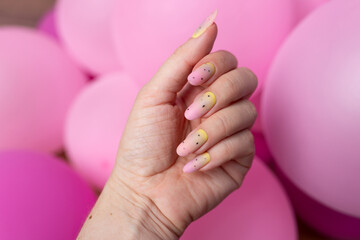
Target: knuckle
(227,57)
(249,140)
(249,136)
(250,159)
(178,57)
(249,75)
(233,85)
(250,110)
(228,148)
(222,124)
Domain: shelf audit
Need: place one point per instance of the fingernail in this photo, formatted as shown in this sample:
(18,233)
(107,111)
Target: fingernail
(197,163)
(201,74)
(200,106)
(194,141)
(205,24)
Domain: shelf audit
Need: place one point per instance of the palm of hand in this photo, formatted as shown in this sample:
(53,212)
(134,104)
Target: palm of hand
(149,165)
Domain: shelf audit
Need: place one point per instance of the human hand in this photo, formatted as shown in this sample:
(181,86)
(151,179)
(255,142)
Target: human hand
(149,174)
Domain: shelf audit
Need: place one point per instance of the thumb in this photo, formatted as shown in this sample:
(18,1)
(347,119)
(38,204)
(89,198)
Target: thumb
(172,76)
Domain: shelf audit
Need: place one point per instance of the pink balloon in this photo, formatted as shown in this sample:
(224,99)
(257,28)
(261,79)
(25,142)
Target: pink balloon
(325,220)
(304,7)
(260,209)
(311,106)
(42,198)
(84,27)
(252,30)
(47,24)
(262,149)
(95,123)
(38,82)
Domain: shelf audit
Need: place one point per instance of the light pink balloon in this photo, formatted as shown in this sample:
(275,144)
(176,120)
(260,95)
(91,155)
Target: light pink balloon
(95,124)
(301,9)
(304,7)
(147,32)
(37,82)
(84,27)
(260,209)
(311,106)
(41,197)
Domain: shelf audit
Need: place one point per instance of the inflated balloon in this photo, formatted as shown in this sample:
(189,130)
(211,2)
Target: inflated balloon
(38,82)
(146,33)
(311,106)
(42,198)
(47,24)
(84,28)
(325,220)
(305,7)
(301,9)
(262,149)
(260,209)
(95,123)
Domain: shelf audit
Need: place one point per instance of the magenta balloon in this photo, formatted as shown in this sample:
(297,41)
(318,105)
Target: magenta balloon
(95,123)
(252,30)
(37,82)
(84,28)
(325,220)
(47,24)
(311,106)
(262,149)
(42,198)
(260,209)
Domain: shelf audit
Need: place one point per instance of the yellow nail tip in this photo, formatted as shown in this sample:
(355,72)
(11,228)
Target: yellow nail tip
(206,156)
(212,97)
(203,134)
(212,66)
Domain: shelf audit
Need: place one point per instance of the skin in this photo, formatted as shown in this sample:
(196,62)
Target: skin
(148,196)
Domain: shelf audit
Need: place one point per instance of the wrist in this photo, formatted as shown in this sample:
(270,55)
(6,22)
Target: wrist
(145,219)
(121,213)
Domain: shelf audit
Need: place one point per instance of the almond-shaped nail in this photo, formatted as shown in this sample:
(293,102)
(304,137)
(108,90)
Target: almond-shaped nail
(193,142)
(197,163)
(205,24)
(201,74)
(200,106)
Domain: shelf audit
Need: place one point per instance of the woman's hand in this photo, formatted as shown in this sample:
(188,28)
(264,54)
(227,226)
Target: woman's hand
(151,195)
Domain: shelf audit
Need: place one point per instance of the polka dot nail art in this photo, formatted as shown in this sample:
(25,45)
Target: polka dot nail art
(197,163)
(200,106)
(201,74)
(205,24)
(192,142)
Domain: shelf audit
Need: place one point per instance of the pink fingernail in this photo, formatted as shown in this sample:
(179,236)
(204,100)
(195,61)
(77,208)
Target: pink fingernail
(194,141)
(197,163)
(201,74)
(205,24)
(200,106)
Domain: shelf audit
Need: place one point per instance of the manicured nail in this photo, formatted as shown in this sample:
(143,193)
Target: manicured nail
(200,106)
(205,24)
(201,74)
(197,163)
(194,141)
